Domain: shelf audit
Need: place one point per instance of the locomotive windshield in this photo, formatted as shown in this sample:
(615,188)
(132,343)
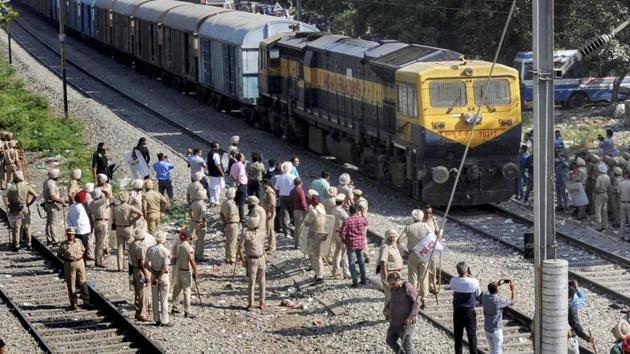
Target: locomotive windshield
(498,92)
(447,93)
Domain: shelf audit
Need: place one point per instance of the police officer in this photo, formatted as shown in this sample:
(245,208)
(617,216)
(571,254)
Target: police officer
(74,185)
(54,206)
(186,271)
(198,225)
(390,260)
(329,202)
(580,174)
(592,173)
(617,178)
(135,199)
(602,185)
(141,278)
(269,204)
(252,252)
(100,213)
(410,237)
(18,202)
(124,217)
(157,262)
(231,221)
(340,257)
(153,204)
(71,251)
(196,190)
(624,206)
(317,233)
(345,188)
(11,157)
(253,206)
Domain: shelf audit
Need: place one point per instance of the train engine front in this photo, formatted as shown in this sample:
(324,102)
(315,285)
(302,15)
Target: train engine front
(436,109)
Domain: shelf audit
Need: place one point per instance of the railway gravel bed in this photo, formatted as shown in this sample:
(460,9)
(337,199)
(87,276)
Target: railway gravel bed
(354,330)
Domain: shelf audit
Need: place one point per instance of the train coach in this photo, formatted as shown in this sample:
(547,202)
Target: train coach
(401,112)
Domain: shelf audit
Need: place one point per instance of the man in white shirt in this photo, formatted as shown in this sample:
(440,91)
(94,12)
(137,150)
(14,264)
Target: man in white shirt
(78,219)
(284,185)
(197,164)
(465,293)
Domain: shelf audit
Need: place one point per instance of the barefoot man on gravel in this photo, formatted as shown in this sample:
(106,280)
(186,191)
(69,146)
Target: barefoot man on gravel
(252,251)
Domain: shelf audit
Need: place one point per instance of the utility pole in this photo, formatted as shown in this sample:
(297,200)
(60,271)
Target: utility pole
(62,52)
(298,10)
(544,217)
(9,40)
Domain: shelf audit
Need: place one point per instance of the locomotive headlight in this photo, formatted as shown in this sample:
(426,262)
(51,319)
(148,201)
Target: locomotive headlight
(440,174)
(505,122)
(438,125)
(510,171)
(472,118)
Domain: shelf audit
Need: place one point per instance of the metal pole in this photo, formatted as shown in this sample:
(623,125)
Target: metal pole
(9,40)
(62,35)
(298,10)
(544,230)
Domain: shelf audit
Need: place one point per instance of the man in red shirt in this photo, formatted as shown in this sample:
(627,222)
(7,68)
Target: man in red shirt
(352,235)
(297,200)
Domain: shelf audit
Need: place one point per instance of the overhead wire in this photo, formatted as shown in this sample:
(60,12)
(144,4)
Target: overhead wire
(470,136)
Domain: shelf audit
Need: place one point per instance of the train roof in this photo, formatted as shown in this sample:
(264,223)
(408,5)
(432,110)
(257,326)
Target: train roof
(189,18)
(153,11)
(246,29)
(439,68)
(126,7)
(385,48)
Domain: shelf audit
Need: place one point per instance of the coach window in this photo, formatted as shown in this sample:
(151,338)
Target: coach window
(447,94)
(498,92)
(407,100)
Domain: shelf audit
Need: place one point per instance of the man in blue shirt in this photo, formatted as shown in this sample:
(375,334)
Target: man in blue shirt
(493,306)
(321,184)
(163,169)
(607,145)
(465,293)
(522,176)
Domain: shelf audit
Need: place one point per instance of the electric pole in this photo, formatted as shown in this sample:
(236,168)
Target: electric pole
(62,53)
(298,10)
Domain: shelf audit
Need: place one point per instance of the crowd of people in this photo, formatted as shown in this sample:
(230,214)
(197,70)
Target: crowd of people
(256,204)
(596,182)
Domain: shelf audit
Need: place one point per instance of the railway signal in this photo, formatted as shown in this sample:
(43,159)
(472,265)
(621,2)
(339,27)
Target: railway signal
(62,53)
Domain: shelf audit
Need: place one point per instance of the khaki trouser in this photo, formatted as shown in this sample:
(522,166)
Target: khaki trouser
(624,214)
(601,209)
(88,244)
(54,220)
(123,237)
(160,299)
(21,224)
(615,208)
(74,273)
(3,174)
(340,258)
(141,291)
(153,222)
(199,230)
(231,238)
(298,216)
(183,281)
(256,268)
(316,262)
(416,271)
(271,234)
(100,233)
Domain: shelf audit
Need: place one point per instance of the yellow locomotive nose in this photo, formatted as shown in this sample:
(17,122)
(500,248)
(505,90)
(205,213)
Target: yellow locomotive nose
(471,118)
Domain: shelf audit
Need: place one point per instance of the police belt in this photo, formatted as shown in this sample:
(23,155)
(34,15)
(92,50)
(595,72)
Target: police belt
(256,257)
(156,271)
(68,260)
(185,269)
(101,219)
(232,222)
(123,225)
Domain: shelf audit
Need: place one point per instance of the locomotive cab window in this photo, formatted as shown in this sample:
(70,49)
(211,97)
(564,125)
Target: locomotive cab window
(407,100)
(447,94)
(274,57)
(498,92)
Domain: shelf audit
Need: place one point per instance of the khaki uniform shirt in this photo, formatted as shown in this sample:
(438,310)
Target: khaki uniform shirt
(311,216)
(624,190)
(123,214)
(10,156)
(157,257)
(185,254)
(602,183)
(137,252)
(362,204)
(135,199)
(69,250)
(412,234)
(252,243)
(262,214)
(99,208)
(347,191)
(17,193)
(340,215)
(329,205)
(229,211)
(106,188)
(154,202)
(391,256)
(269,201)
(196,191)
(198,210)
(50,190)
(73,188)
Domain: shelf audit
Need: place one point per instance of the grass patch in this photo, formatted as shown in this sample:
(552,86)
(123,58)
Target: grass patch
(28,116)
(176,213)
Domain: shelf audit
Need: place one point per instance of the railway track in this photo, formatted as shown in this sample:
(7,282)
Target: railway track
(602,270)
(32,285)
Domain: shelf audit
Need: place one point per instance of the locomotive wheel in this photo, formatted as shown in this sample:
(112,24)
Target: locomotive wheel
(577,100)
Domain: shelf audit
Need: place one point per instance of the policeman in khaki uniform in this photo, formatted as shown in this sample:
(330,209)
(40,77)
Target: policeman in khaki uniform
(11,157)
(185,271)
(141,278)
(624,206)
(390,260)
(71,251)
(157,261)
(409,238)
(100,213)
(340,257)
(617,178)
(135,199)
(329,202)
(74,185)
(18,202)
(252,251)
(198,225)
(600,190)
(153,204)
(124,217)
(580,174)
(317,233)
(253,205)
(231,221)
(54,206)
(195,190)
(269,203)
